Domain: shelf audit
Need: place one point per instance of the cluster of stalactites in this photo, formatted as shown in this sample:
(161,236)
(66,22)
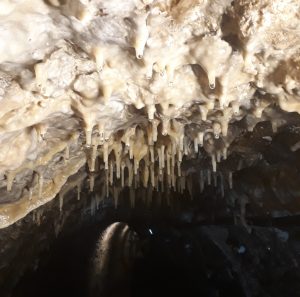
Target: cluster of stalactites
(162,189)
(187,183)
(151,156)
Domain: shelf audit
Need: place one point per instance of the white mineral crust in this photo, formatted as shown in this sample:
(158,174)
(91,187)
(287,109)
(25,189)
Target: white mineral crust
(126,80)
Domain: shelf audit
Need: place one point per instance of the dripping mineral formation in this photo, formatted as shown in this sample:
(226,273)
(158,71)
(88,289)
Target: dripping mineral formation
(163,95)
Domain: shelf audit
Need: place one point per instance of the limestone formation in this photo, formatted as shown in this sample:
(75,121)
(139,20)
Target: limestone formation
(136,88)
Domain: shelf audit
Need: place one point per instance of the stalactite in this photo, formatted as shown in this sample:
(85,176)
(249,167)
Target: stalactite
(217,130)
(218,156)
(179,168)
(185,146)
(224,128)
(88,135)
(156,183)
(169,181)
(169,152)
(201,181)
(122,174)
(173,154)
(152,175)
(107,182)
(41,182)
(211,79)
(154,129)
(181,143)
(230,180)
(151,111)
(173,179)
(168,161)
(159,158)
(152,154)
(142,35)
(208,172)
(105,155)
(165,126)
(91,182)
(149,135)
(183,182)
(225,151)
(136,165)
(136,181)
(162,156)
(78,191)
(200,138)
(235,107)
(39,214)
(111,173)
(196,145)
(131,150)
(130,174)
(93,158)
(117,148)
(145,176)
(214,163)
(179,152)
(34,216)
(61,201)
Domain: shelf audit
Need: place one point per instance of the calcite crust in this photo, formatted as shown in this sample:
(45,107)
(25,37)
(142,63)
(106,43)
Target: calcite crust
(138,85)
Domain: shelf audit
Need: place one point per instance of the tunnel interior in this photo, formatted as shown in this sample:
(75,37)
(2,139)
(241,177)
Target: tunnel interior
(149,148)
(185,246)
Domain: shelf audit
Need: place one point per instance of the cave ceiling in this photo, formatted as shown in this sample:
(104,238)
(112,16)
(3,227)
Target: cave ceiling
(163,95)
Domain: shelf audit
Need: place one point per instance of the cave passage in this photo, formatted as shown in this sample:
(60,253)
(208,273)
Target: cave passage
(149,148)
(158,253)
